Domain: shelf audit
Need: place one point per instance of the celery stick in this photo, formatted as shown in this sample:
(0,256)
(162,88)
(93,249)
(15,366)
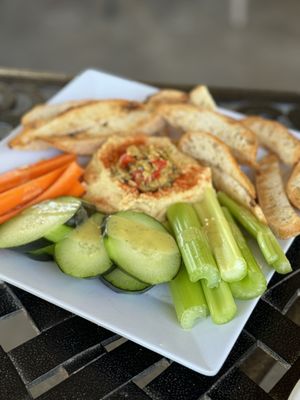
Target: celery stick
(230,261)
(192,243)
(244,216)
(256,228)
(220,302)
(282,264)
(270,248)
(254,283)
(188,299)
(266,246)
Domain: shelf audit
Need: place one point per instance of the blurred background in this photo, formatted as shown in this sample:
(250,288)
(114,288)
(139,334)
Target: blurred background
(230,43)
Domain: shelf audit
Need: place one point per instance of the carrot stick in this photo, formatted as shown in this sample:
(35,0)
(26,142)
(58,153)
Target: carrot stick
(27,191)
(63,186)
(21,175)
(77,189)
(10,214)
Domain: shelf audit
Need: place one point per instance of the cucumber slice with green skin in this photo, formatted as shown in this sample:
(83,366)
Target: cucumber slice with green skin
(34,222)
(143,219)
(121,282)
(55,235)
(78,218)
(58,233)
(42,254)
(150,255)
(32,246)
(82,253)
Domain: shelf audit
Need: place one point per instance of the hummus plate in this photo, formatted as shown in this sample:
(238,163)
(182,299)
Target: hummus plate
(148,319)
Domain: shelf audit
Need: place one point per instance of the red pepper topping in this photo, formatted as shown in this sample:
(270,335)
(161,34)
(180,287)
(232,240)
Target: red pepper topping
(126,159)
(160,163)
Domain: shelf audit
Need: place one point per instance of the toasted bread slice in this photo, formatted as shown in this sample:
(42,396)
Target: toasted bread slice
(211,151)
(98,119)
(83,145)
(110,192)
(229,185)
(44,112)
(293,186)
(279,213)
(187,117)
(168,96)
(201,97)
(275,137)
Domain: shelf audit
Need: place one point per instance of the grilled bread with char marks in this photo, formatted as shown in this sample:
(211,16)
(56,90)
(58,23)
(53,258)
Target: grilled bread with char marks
(83,129)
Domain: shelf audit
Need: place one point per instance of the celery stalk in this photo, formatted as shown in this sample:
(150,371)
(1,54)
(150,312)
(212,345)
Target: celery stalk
(230,261)
(192,242)
(188,299)
(254,283)
(266,240)
(220,302)
(282,264)
(256,228)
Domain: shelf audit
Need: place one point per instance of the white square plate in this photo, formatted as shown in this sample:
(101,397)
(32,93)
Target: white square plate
(148,319)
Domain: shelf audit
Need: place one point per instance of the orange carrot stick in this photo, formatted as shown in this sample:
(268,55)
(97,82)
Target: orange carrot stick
(22,194)
(10,214)
(77,189)
(21,175)
(62,186)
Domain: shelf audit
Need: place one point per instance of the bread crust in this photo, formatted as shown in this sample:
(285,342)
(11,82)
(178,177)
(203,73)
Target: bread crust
(188,117)
(210,150)
(45,112)
(275,137)
(110,194)
(293,186)
(201,97)
(229,185)
(168,96)
(95,119)
(281,216)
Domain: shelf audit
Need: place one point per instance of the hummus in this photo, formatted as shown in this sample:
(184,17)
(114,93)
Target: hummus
(144,174)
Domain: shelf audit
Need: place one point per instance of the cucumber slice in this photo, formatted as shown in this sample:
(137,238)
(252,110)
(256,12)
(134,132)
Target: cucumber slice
(58,233)
(79,217)
(32,246)
(143,219)
(82,253)
(34,222)
(42,254)
(121,282)
(53,236)
(150,255)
